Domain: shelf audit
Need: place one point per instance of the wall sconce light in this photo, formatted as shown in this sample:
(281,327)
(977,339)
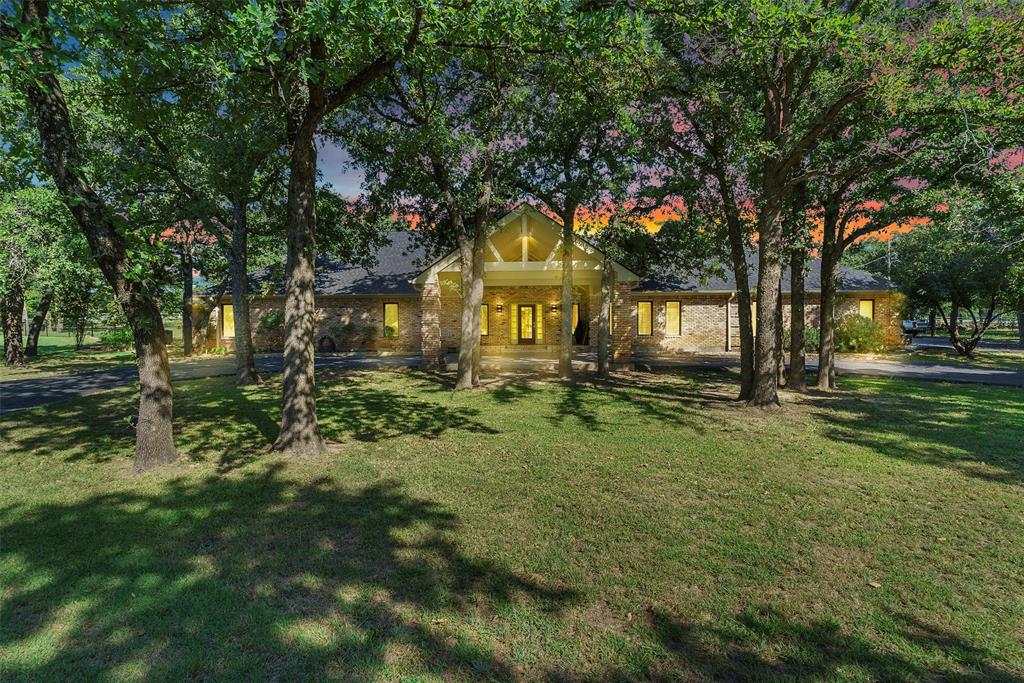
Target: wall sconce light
(554,308)
(498,308)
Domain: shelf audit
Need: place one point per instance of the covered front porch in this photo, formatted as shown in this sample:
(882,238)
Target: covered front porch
(522,300)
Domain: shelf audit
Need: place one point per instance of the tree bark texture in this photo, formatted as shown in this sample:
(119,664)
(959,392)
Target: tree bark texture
(766,377)
(14,304)
(186,301)
(780,356)
(565,346)
(238,263)
(37,322)
(797,356)
(300,430)
(604,318)
(830,252)
(154,442)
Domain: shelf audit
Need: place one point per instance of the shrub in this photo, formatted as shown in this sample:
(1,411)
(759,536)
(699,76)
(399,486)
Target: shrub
(271,322)
(370,334)
(811,337)
(857,334)
(117,339)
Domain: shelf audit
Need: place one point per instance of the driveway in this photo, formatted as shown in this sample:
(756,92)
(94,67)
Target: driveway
(28,393)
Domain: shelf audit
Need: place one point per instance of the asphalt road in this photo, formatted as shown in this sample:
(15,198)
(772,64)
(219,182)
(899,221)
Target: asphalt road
(27,393)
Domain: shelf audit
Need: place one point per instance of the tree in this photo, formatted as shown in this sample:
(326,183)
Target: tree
(959,264)
(34,54)
(319,56)
(436,138)
(577,114)
(765,85)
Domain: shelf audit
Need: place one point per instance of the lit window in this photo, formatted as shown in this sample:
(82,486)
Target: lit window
(540,321)
(390,320)
(643,318)
(483,320)
(672,319)
(513,320)
(227,318)
(867,308)
(575,316)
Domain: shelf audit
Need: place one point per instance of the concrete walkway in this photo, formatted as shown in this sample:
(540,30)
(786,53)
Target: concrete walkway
(27,393)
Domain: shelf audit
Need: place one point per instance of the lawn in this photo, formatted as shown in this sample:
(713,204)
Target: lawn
(982,357)
(57,356)
(643,528)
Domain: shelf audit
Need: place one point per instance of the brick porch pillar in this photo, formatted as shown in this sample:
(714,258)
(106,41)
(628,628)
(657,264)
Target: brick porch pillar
(622,329)
(430,326)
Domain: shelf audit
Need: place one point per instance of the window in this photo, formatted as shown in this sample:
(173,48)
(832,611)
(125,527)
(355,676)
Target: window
(539,308)
(575,317)
(513,320)
(867,308)
(643,318)
(483,320)
(390,320)
(672,320)
(227,321)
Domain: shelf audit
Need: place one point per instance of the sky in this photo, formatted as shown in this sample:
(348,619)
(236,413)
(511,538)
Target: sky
(334,162)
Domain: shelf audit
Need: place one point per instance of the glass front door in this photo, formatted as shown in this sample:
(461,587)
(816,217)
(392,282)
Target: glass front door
(526,326)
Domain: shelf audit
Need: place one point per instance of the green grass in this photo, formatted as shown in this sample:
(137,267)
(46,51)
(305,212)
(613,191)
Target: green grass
(57,356)
(645,528)
(982,357)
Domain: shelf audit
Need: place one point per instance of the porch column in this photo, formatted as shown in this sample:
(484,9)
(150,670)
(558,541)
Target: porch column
(622,327)
(430,326)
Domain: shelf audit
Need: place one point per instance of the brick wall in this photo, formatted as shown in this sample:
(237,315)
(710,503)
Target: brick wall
(500,323)
(347,320)
(702,323)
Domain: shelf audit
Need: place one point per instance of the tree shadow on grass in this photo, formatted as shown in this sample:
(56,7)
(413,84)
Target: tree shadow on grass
(251,576)
(974,429)
(763,644)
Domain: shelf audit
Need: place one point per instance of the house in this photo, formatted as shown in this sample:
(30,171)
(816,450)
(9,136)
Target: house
(407,303)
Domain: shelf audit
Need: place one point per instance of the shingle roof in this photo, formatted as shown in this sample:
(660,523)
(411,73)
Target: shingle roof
(398,261)
(403,257)
(850,280)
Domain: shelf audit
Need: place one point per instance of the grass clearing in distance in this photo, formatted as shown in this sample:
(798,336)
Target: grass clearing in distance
(647,527)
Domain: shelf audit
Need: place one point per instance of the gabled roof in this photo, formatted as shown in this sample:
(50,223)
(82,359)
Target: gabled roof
(850,280)
(521,212)
(397,263)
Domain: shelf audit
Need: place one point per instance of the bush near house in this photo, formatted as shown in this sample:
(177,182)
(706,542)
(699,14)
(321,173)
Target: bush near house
(812,335)
(857,334)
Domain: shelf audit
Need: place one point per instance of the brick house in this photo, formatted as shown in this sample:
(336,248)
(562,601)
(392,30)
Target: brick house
(410,304)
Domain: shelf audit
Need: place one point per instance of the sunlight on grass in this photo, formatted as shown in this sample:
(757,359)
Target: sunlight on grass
(647,527)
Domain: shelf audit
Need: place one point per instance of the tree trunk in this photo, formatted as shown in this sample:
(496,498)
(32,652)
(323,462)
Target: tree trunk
(14,304)
(604,318)
(38,319)
(477,296)
(797,357)
(741,273)
(238,262)
(766,379)
(780,356)
(3,323)
(472,296)
(300,431)
(154,441)
(1020,329)
(565,345)
(186,301)
(830,253)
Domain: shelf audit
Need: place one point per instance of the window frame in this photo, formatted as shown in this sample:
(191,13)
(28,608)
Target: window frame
(860,302)
(679,318)
(224,317)
(650,318)
(384,320)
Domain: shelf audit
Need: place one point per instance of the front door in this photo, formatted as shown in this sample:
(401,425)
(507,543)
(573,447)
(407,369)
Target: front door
(526,326)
